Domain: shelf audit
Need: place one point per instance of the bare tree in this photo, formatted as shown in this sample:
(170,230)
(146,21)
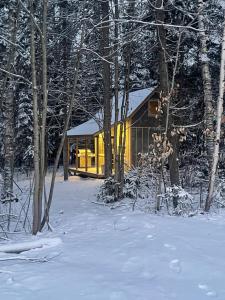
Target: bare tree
(9,89)
(116,99)
(105,51)
(219,113)
(207,84)
(37,171)
(68,113)
(165,92)
(44,105)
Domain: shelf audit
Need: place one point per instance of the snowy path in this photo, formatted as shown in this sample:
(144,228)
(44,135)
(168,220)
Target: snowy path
(118,255)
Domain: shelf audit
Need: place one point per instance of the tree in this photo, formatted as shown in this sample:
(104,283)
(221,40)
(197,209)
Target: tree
(8,90)
(219,112)
(170,140)
(37,171)
(207,85)
(106,76)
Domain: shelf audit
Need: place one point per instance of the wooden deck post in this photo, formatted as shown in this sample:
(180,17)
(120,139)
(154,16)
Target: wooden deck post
(86,158)
(97,154)
(66,159)
(77,153)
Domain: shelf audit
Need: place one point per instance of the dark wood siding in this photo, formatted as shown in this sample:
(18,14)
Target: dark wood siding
(142,128)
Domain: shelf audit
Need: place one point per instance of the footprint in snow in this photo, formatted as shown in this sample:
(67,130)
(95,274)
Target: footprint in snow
(116,295)
(208,291)
(150,237)
(149,226)
(132,264)
(175,265)
(171,247)
(10,281)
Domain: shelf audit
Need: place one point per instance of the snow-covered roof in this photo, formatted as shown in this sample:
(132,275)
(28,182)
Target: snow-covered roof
(95,124)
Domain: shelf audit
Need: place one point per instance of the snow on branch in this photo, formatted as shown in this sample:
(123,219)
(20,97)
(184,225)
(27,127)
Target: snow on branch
(121,20)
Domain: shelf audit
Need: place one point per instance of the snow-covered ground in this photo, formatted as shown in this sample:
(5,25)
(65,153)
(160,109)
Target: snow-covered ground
(117,254)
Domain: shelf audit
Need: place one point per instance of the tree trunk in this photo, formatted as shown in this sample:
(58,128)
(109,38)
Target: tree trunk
(63,135)
(9,144)
(165,93)
(207,86)
(116,97)
(125,103)
(215,160)
(9,87)
(37,171)
(105,49)
(43,139)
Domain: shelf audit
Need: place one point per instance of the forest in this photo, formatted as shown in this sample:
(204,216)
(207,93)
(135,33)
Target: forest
(64,62)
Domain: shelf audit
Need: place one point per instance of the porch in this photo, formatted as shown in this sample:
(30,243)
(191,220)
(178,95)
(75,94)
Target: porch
(84,155)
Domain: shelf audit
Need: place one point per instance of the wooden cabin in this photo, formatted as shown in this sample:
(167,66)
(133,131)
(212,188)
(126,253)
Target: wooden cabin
(84,144)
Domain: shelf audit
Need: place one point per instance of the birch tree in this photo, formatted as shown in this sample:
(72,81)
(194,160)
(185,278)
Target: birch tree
(207,85)
(219,113)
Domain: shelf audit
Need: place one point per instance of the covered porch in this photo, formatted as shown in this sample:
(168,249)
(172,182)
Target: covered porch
(84,155)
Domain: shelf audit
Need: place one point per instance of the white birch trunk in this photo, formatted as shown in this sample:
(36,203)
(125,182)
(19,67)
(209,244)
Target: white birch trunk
(218,128)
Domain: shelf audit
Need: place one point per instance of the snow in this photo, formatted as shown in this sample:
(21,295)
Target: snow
(94,125)
(118,254)
(25,246)
(89,127)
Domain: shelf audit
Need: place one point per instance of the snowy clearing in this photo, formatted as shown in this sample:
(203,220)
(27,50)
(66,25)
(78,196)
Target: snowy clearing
(117,254)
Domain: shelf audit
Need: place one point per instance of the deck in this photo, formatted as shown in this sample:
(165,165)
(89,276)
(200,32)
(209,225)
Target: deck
(91,172)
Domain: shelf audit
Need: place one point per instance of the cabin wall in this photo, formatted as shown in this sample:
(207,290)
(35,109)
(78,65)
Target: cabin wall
(128,145)
(141,118)
(142,128)
(99,144)
(99,152)
(127,142)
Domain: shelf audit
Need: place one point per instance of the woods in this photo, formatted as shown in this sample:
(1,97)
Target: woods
(66,62)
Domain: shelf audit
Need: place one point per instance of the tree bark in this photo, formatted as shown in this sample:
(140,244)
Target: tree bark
(125,103)
(36,128)
(105,49)
(9,87)
(43,136)
(165,93)
(207,86)
(116,104)
(219,113)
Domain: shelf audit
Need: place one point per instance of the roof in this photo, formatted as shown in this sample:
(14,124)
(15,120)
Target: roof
(94,125)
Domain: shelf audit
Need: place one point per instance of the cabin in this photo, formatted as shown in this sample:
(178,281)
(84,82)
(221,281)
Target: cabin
(84,144)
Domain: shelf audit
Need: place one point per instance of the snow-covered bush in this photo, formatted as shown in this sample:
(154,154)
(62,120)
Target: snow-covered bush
(219,194)
(137,184)
(177,201)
